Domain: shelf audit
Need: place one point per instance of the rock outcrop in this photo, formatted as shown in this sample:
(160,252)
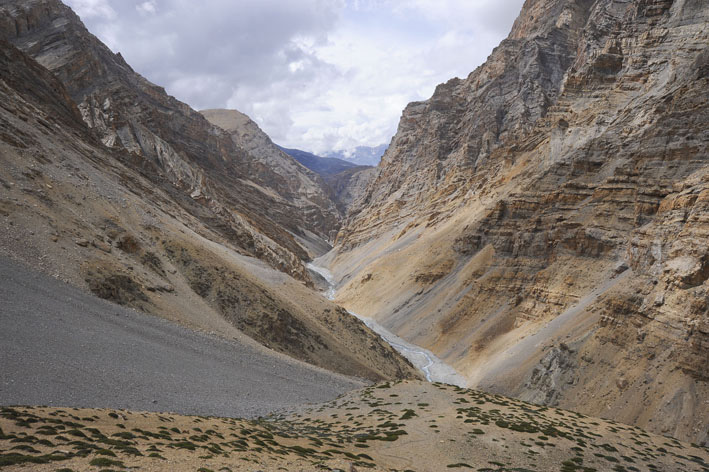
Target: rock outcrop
(273,168)
(349,185)
(559,191)
(346,181)
(541,224)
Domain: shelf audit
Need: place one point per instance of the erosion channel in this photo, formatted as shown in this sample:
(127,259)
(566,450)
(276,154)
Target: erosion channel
(432,367)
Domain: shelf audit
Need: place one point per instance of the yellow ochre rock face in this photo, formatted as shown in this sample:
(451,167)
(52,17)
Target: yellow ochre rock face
(565,179)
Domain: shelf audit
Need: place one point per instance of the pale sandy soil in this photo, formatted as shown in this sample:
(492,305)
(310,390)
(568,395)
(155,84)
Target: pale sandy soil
(389,427)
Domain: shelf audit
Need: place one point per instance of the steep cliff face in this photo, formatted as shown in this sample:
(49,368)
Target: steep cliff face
(73,208)
(270,215)
(345,181)
(556,195)
(349,185)
(442,149)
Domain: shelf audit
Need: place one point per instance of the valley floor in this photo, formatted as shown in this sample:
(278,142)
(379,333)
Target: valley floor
(430,365)
(74,352)
(60,346)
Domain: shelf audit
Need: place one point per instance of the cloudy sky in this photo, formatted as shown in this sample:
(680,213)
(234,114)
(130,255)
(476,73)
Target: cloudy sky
(317,75)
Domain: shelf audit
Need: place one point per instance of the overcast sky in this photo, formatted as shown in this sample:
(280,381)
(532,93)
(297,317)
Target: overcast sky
(317,75)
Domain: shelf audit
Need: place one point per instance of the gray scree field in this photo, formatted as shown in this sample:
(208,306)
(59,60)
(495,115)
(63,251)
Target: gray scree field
(60,346)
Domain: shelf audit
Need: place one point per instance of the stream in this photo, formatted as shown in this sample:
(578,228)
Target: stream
(433,368)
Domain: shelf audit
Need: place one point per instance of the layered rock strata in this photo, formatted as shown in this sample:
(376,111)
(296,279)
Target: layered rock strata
(99,218)
(557,194)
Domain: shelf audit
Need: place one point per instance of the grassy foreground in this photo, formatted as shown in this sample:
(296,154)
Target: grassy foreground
(402,426)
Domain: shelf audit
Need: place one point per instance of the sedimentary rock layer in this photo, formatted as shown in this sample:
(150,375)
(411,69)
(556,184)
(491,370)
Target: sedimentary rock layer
(564,179)
(89,215)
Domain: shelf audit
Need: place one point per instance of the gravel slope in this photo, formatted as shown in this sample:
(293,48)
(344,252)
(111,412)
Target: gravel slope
(62,347)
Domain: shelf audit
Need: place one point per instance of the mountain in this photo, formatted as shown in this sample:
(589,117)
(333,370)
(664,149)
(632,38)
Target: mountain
(324,166)
(349,185)
(278,170)
(345,180)
(361,155)
(541,224)
(111,185)
(245,198)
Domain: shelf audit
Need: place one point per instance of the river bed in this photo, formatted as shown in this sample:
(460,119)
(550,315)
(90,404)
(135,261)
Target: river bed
(433,368)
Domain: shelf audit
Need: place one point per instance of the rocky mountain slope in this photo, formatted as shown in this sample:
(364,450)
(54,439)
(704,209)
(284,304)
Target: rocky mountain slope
(541,224)
(55,354)
(322,165)
(109,220)
(346,181)
(349,185)
(278,170)
(245,197)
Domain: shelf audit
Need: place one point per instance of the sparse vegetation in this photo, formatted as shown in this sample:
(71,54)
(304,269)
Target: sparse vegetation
(343,429)
(105,462)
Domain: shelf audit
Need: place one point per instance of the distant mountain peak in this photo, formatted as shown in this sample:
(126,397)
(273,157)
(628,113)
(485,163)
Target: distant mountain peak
(346,179)
(361,155)
(322,165)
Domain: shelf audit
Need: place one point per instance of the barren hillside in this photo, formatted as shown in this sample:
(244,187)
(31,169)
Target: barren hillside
(558,192)
(104,220)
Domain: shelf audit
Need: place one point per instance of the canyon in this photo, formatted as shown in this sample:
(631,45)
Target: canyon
(557,194)
(537,231)
(115,187)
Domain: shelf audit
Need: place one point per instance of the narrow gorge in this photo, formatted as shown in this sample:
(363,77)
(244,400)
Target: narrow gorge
(521,283)
(567,173)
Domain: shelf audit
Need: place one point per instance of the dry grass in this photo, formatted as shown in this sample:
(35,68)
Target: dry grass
(392,426)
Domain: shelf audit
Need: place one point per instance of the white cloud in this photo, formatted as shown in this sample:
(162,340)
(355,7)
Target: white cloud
(318,75)
(92,9)
(147,8)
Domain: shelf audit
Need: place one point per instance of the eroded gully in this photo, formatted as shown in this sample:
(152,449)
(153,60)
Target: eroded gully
(433,368)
